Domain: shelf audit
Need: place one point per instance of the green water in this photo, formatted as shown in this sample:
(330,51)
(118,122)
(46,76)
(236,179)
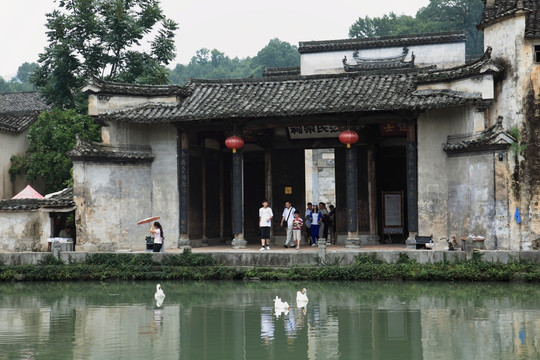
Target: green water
(236,320)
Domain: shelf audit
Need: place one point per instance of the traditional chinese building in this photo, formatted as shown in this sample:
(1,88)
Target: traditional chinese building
(17,112)
(430,155)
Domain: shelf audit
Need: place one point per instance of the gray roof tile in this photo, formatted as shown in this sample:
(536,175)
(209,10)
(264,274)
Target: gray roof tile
(19,110)
(295,96)
(92,151)
(381,41)
(502,9)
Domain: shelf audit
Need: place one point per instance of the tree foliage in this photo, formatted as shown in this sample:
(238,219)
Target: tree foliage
(21,81)
(213,64)
(49,139)
(437,16)
(103,38)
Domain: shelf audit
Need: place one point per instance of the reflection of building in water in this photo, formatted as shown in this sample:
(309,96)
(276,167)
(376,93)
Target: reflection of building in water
(267,325)
(323,330)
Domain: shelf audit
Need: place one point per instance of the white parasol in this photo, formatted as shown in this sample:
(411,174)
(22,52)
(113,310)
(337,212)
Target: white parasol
(147,220)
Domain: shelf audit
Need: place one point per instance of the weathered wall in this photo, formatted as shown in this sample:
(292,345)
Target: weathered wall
(433,128)
(112,197)
(23,231)
(471,206)
(443,183)
(517,99)
(442,55)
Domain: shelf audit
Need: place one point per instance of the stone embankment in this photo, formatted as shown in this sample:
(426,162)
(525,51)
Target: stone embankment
(290,257)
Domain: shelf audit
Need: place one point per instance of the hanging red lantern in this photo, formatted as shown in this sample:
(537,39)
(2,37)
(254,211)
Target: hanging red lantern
(348,137)
(234,142)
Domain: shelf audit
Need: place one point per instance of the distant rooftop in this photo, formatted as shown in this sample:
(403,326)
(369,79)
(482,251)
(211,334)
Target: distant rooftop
(381,41)
(19,110)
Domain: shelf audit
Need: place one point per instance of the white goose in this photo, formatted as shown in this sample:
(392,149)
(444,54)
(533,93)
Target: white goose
(280,305)
(159,295)
(301,298)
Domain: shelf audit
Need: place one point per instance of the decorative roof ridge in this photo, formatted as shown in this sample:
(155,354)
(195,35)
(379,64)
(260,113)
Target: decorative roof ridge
(381,41)
(481,66)
(94,151)
(100,86)
(491,138)
(279,79)
(450,92)
(281,71)
(146,105)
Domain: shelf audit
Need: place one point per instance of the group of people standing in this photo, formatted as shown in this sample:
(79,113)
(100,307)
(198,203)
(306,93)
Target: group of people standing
(320,222)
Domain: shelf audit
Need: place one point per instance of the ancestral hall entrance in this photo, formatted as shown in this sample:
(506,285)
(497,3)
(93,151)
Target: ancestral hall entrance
(371,182)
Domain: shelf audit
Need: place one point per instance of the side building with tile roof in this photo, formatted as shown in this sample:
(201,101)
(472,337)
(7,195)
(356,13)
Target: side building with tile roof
(17,112)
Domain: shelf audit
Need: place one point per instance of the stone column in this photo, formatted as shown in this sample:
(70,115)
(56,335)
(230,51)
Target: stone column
(238,200)
(183,189)
(351,169)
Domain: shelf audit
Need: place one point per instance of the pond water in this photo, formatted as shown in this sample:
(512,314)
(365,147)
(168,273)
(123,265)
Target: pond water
(237,320)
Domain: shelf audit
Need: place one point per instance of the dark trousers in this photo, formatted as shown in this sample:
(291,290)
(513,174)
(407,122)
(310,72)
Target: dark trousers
(157,247)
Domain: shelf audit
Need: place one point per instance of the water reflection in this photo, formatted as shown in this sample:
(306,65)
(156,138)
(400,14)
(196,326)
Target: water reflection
(236,320)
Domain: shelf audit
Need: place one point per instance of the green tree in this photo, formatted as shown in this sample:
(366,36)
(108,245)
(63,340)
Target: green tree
(103,38)
(449,15)
(437,16)
(21,81)
(276,54)
(24,72)
(214,64)
(49,139)
(387,25)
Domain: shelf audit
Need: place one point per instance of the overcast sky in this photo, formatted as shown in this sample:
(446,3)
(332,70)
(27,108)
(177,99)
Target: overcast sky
(239,28)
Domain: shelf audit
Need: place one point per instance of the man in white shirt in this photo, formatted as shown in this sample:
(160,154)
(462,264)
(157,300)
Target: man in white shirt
(287,218)
(265,222)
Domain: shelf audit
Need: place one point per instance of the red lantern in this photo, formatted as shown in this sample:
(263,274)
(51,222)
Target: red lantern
(234,142)
(348,137)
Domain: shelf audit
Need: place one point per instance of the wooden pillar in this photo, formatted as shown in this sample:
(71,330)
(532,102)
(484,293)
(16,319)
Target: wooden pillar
(351,176)
(372,194)
(238,200)
(204,195)
(268,183)
(221,200)
(183,188)
(412,180)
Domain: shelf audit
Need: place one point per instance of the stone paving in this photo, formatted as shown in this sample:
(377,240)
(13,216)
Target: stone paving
(303,248)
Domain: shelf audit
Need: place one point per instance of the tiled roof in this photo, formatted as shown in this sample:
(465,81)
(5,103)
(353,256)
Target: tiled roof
(295,96)
(284,71)
(61,199)
(381,41)
(19,110)
(502,9)
(492,138)
(96,85)
(484,65)
(92,151)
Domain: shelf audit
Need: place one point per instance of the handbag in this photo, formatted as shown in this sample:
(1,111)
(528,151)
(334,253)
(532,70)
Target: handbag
(285,224)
